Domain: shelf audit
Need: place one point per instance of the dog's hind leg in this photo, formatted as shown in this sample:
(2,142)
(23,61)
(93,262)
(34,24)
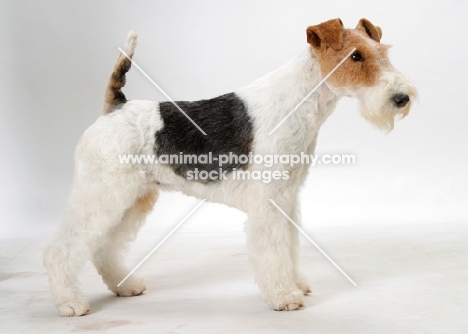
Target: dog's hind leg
(63,261)
(108,257)
(94,211)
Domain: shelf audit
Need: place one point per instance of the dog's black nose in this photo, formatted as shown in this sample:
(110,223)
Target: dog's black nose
(400,100)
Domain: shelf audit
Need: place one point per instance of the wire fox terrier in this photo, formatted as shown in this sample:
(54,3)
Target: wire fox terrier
(110,200)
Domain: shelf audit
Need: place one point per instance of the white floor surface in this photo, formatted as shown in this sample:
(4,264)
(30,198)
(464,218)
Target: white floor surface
(411,279)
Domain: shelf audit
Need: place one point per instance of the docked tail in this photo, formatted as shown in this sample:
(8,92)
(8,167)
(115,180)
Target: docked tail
(114,96)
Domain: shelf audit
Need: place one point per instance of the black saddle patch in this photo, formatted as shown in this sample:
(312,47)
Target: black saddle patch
(228,129)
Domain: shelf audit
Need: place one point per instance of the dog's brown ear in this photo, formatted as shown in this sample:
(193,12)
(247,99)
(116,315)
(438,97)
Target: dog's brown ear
(329,33)
(374,32)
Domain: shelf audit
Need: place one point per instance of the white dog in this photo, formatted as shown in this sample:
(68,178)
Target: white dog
(110,199)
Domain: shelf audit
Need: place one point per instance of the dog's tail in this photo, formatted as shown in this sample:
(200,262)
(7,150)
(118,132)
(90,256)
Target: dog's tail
(114,96)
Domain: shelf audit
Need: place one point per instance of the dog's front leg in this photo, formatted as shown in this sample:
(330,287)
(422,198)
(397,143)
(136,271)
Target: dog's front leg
(300,279)
(270,243)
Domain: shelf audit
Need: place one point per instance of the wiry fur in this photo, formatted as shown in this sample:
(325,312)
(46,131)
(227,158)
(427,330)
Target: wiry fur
(114,96)
(109,200)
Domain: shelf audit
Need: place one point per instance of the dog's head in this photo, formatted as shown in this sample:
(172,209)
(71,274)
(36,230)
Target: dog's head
(360,68)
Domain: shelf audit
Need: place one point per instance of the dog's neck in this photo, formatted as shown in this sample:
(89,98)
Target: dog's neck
(272,97)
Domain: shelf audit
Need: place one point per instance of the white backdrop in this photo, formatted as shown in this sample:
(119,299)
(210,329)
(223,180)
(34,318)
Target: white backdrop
(56,57)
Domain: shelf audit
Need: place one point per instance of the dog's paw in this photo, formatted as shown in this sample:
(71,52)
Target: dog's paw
(291,307)
(133,286)
(303,285)
(73,307)
(287,302)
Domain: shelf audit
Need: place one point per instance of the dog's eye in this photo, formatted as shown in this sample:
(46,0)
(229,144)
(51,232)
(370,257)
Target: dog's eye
(356,56)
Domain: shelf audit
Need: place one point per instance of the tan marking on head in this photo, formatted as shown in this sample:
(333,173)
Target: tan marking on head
(374,32)
(145,203)
(367,74)
(352,73)
(328,33)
